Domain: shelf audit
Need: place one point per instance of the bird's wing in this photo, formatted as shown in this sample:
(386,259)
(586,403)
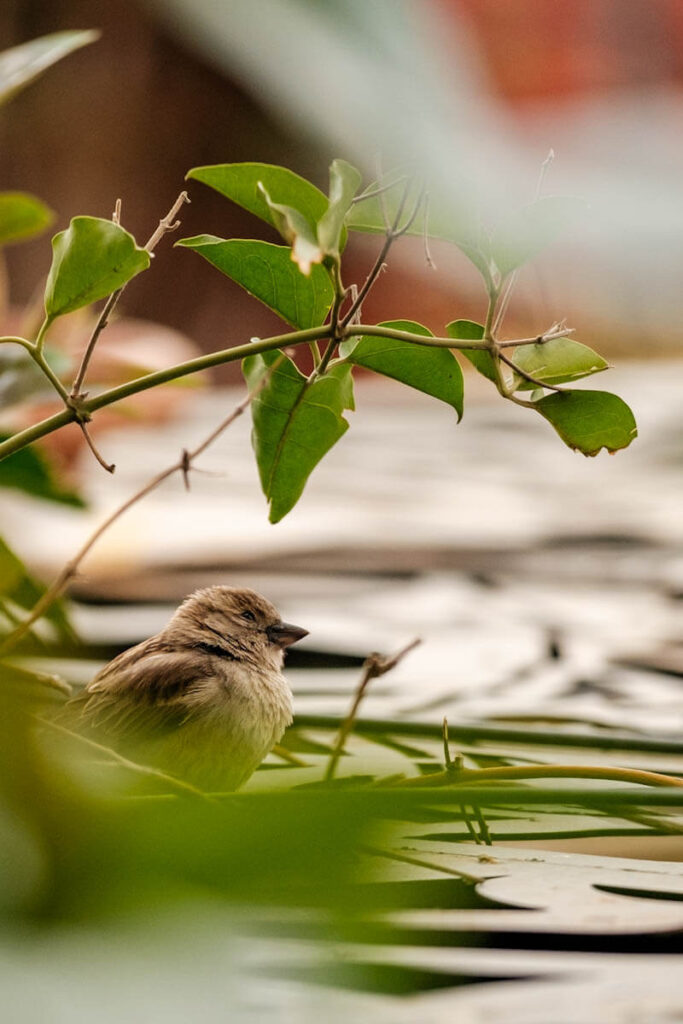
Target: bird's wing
(138,694)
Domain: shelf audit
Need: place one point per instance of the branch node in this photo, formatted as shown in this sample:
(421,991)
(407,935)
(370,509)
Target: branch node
(109,466)
(76,403)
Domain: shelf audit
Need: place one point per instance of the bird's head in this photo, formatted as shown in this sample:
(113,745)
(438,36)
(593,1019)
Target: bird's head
(238,622)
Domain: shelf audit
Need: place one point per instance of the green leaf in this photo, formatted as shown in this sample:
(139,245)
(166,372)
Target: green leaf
(530,229)
(22,64)
(267,272)
(239,182)
(295,425)
(18,587)
(344,182)
(559,361)
(435,371)
(297,231)
(468,330)
(22,216)
(589,420)
(90,260)
(28,470)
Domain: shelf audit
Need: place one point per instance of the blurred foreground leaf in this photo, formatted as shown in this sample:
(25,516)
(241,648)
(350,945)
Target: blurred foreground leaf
(23,63)
(30,471)
(20,591)
(526,232)
(446,219)
(22,216)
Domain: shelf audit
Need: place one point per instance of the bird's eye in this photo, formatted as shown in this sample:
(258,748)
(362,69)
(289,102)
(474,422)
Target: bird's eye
(249,616)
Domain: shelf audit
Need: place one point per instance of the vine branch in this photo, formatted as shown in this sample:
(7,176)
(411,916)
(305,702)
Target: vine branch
(90,405)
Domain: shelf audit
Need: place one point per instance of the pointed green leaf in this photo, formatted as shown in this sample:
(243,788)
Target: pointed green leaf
(296,230)
(468,330)
(18,587)
(435,371)
(90,260)
(22,216)
(530,229)
(22,64)
(239,182)
(344,182)
(267,272)
(295,425)
(28,470)
(559,361)
(589,420)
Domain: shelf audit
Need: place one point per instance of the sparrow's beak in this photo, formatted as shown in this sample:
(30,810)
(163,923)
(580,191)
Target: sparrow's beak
(284,634)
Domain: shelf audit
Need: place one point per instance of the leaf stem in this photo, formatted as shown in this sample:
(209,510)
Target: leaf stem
(47,426)
(42,333)
(392,232)
(467,776)
(12,339)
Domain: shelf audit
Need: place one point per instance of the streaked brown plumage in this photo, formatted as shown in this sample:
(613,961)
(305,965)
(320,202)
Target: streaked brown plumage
(204,699)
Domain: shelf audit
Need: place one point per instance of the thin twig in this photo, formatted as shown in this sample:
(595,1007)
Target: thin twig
(551,334)
(545,166)
(425,234)
(340,293)
(513,276)
(166,224)
(392,232)
(470,776)
(527,376)
(370,193)
(375,665)
(419,862)
(412,216)
(109,466)
(182,465)
(382,194)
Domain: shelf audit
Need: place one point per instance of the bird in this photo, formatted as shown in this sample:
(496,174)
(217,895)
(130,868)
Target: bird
(204,699)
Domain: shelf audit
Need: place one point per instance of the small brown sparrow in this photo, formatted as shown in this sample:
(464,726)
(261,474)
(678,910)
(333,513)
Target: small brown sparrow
(204,699)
